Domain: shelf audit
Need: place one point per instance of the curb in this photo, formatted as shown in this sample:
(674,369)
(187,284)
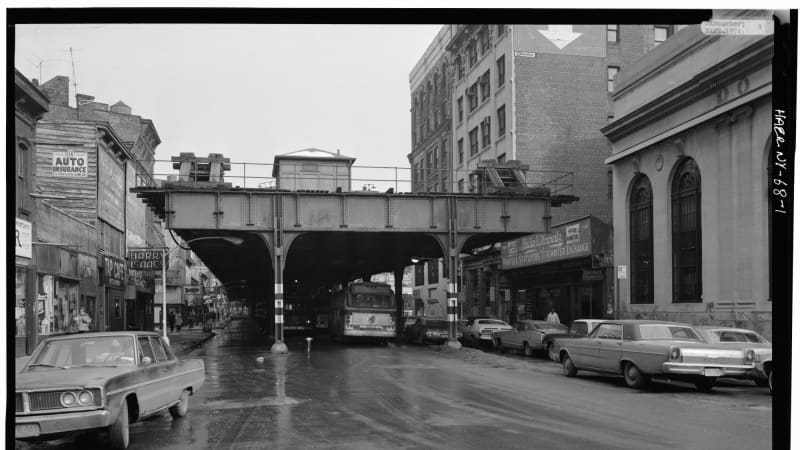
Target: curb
(191,345)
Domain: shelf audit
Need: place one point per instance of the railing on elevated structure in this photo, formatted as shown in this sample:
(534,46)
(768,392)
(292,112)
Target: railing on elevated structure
(215,169)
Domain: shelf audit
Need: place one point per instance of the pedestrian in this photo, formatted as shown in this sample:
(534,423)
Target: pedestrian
(83,320)
(178,321)
(191,321)
(171,321)
(552,316)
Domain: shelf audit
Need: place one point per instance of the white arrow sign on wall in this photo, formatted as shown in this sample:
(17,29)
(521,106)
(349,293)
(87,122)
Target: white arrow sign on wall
(560,35)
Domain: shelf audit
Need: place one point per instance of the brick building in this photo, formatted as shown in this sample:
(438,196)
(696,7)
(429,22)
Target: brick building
(539,94)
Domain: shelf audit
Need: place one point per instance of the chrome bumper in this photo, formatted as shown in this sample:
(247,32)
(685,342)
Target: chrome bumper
(63,422)
(707,370)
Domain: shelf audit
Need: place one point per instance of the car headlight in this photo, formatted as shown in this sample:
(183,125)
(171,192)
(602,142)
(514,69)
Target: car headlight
(85,398)
(68,399)
(675,353)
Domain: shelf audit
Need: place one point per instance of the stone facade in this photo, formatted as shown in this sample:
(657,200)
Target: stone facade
(700,100)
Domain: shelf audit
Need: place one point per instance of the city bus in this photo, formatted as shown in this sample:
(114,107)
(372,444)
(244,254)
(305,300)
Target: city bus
(363,310)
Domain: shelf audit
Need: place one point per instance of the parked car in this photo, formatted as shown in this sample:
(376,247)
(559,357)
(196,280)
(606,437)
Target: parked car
(577,328)
(527,335)
(743,338)
(643,349)
(425,331)
(482,329)
(101,382)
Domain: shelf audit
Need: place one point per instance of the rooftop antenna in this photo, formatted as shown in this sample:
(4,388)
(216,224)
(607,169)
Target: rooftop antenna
(75,84)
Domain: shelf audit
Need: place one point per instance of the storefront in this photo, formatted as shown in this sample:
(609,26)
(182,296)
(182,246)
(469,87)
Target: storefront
(139,297)
(25,274)
(113,269)
(568,270)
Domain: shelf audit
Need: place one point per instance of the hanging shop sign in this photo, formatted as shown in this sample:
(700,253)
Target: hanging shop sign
(70,164)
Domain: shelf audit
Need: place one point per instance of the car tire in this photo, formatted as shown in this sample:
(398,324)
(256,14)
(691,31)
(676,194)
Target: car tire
(498,344)
(634,377)
(182,407)
(551,352)
(704,384)
(569,369)
(119,432)
(476,342)
(526,349)
(769,380)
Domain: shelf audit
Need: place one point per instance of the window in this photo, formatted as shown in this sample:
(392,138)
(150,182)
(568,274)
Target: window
(147,350)
(641,235)
(612,72)
(485,85)
(612,33)
(501,121)
(433,271)
(461,185)
(661,33)
(22,164)
(443,160)
(473,141)
(483,35)
(459,67)
(686,236)
(419,274)
(501,71)
(501,159)
(500,30)
(486,132)
(472,96)
(435,157)
(460,103)
(461,150)
(608,331)
(309,166)
(472,52)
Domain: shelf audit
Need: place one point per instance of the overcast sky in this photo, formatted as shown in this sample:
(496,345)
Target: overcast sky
(247,91)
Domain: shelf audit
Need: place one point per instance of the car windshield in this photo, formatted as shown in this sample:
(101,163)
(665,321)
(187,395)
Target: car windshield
(738,336)
(491,322)
(371,301)
(106,350)
(667,332)
(436,323)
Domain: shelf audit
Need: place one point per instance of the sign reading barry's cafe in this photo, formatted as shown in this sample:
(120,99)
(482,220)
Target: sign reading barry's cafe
(70,164)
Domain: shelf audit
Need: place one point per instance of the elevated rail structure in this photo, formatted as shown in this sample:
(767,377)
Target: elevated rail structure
(324,237)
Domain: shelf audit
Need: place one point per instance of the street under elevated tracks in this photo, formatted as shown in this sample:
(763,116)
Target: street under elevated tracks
(409,397)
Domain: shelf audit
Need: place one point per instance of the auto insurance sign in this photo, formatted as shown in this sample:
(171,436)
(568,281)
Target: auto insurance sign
(70,164)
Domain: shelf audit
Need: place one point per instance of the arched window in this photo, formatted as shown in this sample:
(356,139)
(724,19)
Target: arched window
(686,236)
(641,234)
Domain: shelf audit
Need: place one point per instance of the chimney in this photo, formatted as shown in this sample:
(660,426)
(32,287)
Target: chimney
(57,90)
(121,107)
(35,82)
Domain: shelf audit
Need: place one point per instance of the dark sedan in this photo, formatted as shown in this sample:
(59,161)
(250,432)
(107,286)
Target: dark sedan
(428,331)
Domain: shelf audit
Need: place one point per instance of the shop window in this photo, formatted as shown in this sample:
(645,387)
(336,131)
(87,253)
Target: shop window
(641,241)
(419,274)
(686,234)
(433,272)
(19,306)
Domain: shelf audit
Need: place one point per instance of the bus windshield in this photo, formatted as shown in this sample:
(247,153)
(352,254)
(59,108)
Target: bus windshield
(360,300)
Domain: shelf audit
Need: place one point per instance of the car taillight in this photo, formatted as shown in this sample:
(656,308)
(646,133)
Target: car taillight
(749,356)
(675,353)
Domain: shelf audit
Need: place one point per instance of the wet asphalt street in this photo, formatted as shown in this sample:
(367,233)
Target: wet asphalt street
(395,397)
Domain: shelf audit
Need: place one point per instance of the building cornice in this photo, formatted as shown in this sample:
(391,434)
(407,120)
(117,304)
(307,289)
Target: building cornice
(746,61)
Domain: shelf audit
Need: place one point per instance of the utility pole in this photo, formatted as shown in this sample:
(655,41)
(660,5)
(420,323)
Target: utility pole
(74,84)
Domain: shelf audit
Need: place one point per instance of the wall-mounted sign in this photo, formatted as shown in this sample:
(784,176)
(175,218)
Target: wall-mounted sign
(622,272)
(592,274)
(70,164)
(565,242)
(23,239)
(113,271)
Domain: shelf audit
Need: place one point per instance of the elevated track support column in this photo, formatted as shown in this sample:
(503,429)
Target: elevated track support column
(278,265)
(453,249)
(398,300)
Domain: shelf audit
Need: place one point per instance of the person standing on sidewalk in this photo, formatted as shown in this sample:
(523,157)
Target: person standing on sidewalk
(83,321)
(171,321)
(178,321)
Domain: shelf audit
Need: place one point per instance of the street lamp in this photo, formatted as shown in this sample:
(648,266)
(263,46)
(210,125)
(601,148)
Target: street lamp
(232,239)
